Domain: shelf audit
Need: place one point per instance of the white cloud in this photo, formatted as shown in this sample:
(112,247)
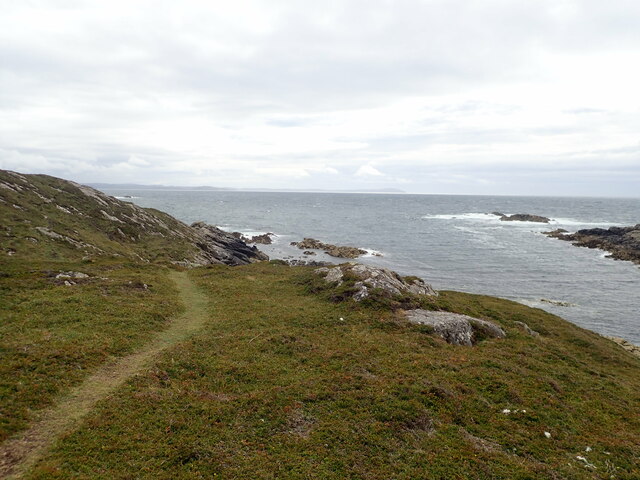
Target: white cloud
(368,171)
(270,94)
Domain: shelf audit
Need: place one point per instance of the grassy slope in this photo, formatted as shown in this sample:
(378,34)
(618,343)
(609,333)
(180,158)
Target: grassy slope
(52,335)
(277,386)
(65,208)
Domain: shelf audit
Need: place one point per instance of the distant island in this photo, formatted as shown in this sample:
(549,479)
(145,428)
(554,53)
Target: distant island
(135,186)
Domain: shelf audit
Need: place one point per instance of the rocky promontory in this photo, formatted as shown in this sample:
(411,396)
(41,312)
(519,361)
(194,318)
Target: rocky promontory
(329,249)
(622,243)
(43,214)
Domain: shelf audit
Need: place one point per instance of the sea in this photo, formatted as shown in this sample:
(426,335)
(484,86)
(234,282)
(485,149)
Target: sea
(453,242)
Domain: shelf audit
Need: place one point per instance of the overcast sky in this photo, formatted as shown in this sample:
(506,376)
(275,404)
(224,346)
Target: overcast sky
(451,96)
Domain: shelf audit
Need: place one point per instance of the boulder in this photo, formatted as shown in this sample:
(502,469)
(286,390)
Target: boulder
(455,328)
(369,277)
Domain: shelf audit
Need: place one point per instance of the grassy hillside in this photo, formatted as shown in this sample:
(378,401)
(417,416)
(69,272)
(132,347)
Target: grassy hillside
(278,386)
(281,381)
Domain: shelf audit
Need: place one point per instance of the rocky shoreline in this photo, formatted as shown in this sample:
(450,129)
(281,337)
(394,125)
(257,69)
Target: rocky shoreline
(622,243)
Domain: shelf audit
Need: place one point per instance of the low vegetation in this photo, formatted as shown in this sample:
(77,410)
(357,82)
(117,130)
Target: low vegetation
(282,383)
(53,334)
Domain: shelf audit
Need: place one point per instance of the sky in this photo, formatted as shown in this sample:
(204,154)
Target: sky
(436,96)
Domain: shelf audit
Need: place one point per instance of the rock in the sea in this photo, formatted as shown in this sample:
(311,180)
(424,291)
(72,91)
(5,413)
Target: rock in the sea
(524,217)
(369,277)
(557,233)
(622,243)
(329,249)
(264,239)
(455,328)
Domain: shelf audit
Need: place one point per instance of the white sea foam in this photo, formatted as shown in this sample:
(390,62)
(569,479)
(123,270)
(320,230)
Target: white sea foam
(464,216)
(372,253)
(489,217)
(127,198)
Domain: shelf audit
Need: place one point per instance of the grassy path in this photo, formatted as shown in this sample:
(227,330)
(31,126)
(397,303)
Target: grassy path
(19,453)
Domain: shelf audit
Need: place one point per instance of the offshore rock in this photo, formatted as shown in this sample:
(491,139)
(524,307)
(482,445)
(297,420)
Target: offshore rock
(329,249)
(369,277)
(523,217)
(622,243)
(455,328)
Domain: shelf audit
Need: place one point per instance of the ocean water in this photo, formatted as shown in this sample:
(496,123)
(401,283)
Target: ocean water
(453,242)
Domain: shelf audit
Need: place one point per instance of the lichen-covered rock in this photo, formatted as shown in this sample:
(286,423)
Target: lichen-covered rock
(455,328)
(369,277)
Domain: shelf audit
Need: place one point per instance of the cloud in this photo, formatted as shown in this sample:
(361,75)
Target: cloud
(368,171)
(274,94)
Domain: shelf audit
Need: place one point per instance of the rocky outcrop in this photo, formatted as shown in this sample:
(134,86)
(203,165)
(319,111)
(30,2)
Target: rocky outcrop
(264,239)
(628,346)
(329,249)
(455,328)
(219,246)
(366,278)
(522,217)
(622,243)
(42,214)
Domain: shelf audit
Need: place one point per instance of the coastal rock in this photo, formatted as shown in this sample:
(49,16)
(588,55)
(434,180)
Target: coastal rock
(455,328)
(628,346)
(527,329)
(622,243)
(523,217)
(219,246)
(264,239)
(329,249)
(557,233)
(369,277)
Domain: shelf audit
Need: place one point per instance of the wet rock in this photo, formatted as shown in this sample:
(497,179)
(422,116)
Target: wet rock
(557,233)
(329,249)
(264,239)
(524,217)
(622,243)
(308,252)
(455,328)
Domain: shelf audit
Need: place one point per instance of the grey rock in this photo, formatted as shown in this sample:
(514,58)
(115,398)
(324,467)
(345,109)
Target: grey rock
(455,328)
(527,329)
(370,277)
(218,246)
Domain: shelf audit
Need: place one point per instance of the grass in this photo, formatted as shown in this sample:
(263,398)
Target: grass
(283,383)
(53,335)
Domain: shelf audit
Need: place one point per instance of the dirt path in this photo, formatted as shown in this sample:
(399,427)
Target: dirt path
(21,452)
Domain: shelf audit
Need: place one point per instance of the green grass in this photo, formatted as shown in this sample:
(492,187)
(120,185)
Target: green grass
(52,335)
(276,385)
